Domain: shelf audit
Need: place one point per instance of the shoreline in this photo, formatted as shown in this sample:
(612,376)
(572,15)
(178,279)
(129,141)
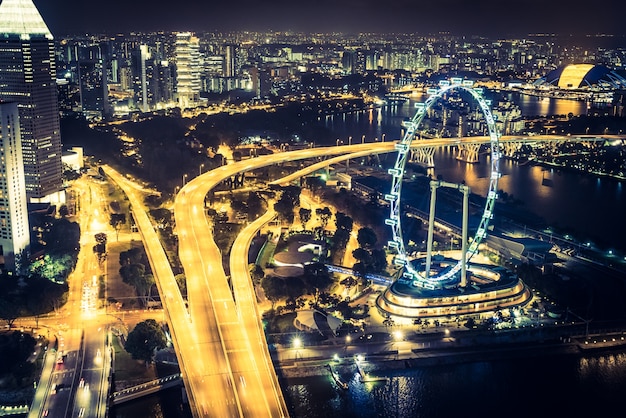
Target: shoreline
(392,360)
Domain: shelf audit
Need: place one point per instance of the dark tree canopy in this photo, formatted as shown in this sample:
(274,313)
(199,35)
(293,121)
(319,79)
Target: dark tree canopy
(63,237)
(144,339)
(366,237)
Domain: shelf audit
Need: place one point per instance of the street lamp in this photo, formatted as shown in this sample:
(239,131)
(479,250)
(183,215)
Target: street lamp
(184,179)
(397,336)
(297,344)
(362,139)
(200,170)
(383,137)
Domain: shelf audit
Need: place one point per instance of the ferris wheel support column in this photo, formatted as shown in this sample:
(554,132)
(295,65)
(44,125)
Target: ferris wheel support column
(431,226)
(466,192)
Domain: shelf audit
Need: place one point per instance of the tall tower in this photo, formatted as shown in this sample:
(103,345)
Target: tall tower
(188,83)
(94,96)
(144,55)
(28,77)
(14,230)
(230,61)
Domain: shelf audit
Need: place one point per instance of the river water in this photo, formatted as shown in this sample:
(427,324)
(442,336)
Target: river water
(533,387)
(587,206)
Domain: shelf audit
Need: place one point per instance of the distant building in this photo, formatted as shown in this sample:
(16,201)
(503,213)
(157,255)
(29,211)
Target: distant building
(28,74)
(584,76)
(14,229)
(230,62)
(73,158)
(93,83)
(188,82)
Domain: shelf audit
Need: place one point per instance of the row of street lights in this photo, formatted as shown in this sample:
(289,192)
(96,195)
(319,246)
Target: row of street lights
(339,141)
(186,175)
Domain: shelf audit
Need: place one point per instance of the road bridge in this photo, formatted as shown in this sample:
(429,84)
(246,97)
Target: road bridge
(237,363)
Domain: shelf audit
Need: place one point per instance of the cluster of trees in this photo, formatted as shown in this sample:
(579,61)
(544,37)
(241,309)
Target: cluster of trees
(143,341)
(287,202)
(40,285)
(314,281)
(31,296)
(370,259)
(100,249)
(15,370)
(135,271)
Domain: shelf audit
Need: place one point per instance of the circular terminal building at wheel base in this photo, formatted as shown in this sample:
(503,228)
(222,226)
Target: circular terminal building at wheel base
(437,286)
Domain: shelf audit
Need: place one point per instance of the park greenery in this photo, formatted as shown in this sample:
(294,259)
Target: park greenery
(40,284)
(143,341)
(16,372)
(135,271)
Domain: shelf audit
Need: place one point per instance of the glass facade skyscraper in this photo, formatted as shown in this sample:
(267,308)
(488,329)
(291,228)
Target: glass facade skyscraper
(28,77)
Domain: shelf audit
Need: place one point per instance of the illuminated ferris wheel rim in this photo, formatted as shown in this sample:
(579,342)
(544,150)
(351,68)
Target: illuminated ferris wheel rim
(403,147)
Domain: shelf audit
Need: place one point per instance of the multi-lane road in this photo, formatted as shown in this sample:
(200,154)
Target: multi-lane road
(220,343)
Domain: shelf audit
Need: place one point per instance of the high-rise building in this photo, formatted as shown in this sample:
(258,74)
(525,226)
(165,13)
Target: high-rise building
(93,82)
(144,55)
(230,60)
(28,77)
(188,82)
(14,230)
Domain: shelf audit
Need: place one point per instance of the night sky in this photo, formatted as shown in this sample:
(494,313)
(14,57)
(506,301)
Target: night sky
(459,17)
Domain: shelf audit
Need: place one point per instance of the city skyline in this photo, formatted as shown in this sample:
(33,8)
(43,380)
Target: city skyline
(487,18)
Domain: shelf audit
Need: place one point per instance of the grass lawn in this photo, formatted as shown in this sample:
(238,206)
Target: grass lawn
(128,369)
(267,253)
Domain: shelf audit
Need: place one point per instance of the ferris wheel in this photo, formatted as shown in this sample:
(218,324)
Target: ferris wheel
(425,278)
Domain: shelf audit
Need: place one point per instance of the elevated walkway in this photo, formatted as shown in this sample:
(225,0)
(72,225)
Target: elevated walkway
(146,389)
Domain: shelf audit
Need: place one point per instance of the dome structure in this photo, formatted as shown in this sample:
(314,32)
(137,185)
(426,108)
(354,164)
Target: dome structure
(584,76)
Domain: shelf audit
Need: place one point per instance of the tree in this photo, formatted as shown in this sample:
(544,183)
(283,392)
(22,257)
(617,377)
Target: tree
(101,246)
(10,310)
(255,205)
(256,273)
(348,282)
(284,209)
(305,216)
(132,256)
(274,288)
(362,255)
(366,237)
(144,339)
(379,260)
(316,279)
(116,221)
(324,215)
(293,194)
(63,237)
(343,221)
(343,229)
(136,276)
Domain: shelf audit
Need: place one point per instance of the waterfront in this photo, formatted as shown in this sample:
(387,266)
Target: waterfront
(599,202)
(544,384)
(538,386)
(541,386)
(587,207)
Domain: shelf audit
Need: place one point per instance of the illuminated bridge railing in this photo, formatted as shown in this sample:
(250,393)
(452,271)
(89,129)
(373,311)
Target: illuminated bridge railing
(145,389)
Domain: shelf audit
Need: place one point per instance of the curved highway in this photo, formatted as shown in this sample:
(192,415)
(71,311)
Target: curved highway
(220,343)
